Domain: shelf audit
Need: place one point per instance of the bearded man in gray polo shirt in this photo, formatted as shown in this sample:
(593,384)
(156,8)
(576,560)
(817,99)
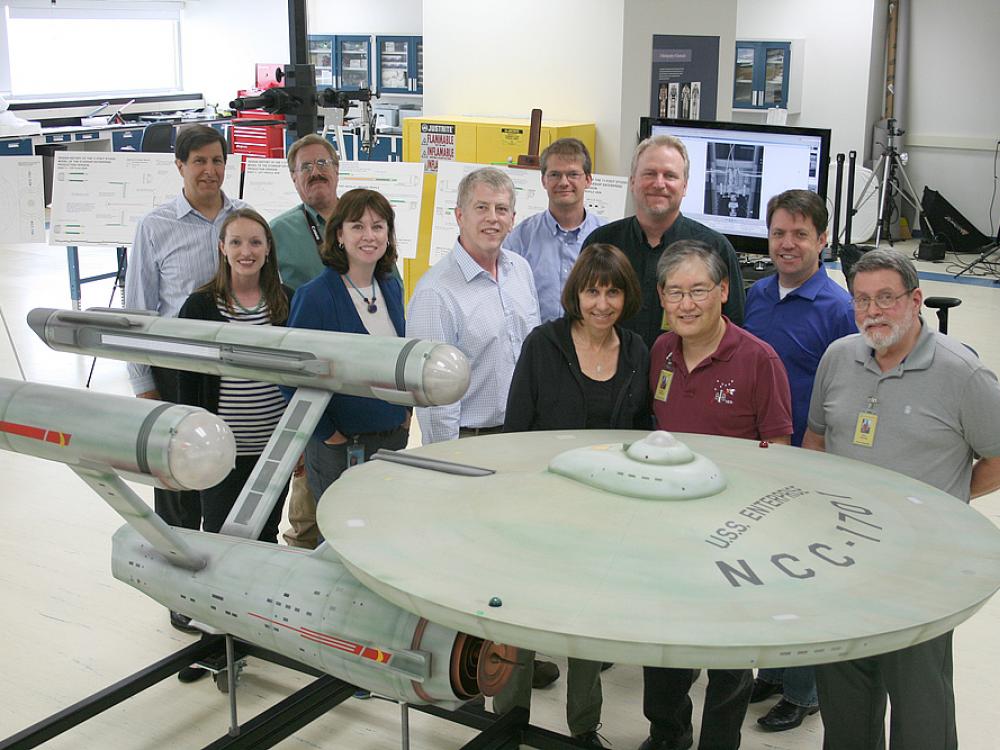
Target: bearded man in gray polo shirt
(906,398)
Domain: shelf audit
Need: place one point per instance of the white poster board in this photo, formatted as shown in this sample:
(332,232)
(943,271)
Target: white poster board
(268,188)
(98,198)
(22,199)
(605,197)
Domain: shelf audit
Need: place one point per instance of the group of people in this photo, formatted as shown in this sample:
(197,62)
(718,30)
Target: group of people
(571,323)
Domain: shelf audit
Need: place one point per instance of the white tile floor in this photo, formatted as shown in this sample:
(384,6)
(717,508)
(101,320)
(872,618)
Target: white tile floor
(71,629)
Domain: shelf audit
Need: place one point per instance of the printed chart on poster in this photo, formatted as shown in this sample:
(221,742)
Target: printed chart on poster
(605,197)
(267,186)
(22,199)
(98,198)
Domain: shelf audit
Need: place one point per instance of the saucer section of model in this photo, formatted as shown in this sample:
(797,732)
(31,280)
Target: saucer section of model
(789,557)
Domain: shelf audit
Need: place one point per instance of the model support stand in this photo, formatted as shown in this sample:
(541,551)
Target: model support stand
(890,167)
(507,732)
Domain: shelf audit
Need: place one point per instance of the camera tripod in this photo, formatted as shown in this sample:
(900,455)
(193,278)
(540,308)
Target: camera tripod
(890,167)
(985,254)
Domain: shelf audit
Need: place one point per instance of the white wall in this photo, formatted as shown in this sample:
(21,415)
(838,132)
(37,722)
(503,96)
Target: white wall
(564,56)
(643,19)
(222,40)
(953,113)
(838,55)
(592,62)
(403,17)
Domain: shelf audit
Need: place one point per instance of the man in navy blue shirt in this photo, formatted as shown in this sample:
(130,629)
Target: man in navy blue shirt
(799,311)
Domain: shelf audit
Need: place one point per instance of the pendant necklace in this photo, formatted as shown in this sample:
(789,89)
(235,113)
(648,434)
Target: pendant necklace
(372,306)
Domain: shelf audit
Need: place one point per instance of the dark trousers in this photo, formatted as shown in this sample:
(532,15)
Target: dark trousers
(667,706)
(176,508)
(583,691)
(917,681)
(217,501)
(325,463)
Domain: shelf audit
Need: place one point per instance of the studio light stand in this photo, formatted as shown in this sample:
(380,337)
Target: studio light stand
(894,183)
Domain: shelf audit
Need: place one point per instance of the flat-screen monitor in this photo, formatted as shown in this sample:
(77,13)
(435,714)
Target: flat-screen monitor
(737,167)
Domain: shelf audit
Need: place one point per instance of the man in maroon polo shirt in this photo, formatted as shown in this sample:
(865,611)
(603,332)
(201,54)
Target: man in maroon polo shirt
(707,376)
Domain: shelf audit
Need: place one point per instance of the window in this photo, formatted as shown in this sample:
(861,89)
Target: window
(83,48)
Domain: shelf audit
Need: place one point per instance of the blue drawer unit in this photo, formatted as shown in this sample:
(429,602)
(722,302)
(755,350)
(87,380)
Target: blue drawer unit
(126,140)
(387,148)
(90,136)
(59,138)
(349,145)
(16,147)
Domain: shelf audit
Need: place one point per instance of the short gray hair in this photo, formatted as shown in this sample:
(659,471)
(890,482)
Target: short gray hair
(662,140)
(680,252)
(489,176)
(886,260)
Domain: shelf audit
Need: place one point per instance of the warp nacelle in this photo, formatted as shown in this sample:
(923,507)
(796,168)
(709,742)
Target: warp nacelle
(166,445)
(410,372)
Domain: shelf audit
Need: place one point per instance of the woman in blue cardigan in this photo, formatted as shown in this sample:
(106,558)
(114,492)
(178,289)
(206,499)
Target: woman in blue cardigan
(356,293)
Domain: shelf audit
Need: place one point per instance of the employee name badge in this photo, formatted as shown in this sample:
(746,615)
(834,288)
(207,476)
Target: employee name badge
(864,431)
(355,454)
(663,385)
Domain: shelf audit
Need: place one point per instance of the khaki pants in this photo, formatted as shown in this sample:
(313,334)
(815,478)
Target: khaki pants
(302,516)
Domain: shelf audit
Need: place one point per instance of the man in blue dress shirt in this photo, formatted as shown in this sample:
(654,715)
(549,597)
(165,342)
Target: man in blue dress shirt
(551,241)
(176,251)
(481,299)
(799,311)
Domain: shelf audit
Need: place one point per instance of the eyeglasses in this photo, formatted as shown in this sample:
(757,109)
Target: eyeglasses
(883,300)
(320,164)
(571,176)
(698,294)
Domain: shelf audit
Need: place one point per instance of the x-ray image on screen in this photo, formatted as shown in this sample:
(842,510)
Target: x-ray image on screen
(733,180)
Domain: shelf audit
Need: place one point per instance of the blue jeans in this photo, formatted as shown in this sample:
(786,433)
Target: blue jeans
(798,684)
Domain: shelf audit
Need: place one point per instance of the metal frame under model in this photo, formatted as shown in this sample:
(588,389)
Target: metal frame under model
(271,726)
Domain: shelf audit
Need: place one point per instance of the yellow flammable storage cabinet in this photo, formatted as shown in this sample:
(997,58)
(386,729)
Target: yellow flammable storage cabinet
(478,140)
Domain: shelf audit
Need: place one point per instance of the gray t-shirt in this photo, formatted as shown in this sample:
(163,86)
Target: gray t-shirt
(937,410)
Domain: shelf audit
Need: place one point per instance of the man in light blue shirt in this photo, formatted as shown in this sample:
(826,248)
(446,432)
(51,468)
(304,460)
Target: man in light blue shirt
(176,244)
(481,299)
(176,251)
(551,241)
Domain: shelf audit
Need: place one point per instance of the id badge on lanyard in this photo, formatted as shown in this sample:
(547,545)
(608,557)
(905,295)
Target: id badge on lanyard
(665,378)
(867,424)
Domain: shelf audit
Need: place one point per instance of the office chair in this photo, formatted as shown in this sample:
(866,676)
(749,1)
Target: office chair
(941,305)
(158,138)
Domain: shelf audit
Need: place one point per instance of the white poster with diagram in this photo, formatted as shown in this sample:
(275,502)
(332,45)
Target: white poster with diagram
(22,199)
(268,187)
(99,197)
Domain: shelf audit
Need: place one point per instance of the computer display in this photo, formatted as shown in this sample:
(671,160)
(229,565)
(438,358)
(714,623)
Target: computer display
(737,167)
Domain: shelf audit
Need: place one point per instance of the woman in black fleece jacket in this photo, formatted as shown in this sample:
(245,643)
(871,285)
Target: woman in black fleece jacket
(582,371)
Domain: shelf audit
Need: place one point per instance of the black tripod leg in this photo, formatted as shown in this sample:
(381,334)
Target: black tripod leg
(990,251)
